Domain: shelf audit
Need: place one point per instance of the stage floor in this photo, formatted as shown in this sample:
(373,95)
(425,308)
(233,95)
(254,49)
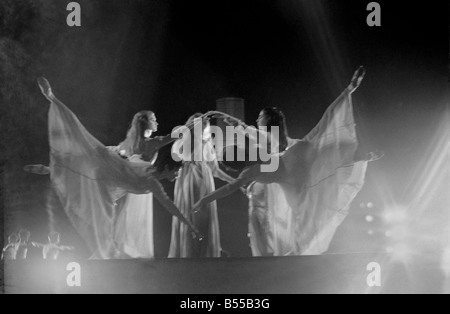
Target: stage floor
(335,273)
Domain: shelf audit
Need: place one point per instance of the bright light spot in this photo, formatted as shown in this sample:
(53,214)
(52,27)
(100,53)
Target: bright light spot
(370,232)
(370,205)
(369,218)
(395,215)
(399,233)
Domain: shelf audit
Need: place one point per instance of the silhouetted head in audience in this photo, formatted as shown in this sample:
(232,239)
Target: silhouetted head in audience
(13,238)
(24,235)
(54,237)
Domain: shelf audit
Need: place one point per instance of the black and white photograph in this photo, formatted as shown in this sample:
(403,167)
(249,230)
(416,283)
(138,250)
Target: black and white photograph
(224,152)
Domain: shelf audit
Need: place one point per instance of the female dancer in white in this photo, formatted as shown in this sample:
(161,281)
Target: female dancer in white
(89,178)
(317,176)
(134,227)
(267,228)
(196,180)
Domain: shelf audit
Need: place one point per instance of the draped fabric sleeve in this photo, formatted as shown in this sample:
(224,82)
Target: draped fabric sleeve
(88,178)
(323,179)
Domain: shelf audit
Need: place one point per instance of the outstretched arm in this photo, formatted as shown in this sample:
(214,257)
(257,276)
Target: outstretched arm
(248,175)
(216,171)
(164,200)
(66,248)
(240,127)
(221,175)
(158,142)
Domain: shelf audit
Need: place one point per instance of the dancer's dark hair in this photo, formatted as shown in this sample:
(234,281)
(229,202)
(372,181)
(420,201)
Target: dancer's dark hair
(277,118)
(133,143)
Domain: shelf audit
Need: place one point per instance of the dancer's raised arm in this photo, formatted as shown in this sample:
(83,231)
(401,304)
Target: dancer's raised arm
(256,135)
(221,175)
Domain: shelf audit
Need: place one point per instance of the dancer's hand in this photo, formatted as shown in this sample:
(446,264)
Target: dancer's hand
(196,234)
(216,116)
(233,122)
(357,79)
(198,206)
(191,125)
(45,87)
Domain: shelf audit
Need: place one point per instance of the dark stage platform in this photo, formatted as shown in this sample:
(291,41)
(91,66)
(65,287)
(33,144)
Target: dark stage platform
(347,273)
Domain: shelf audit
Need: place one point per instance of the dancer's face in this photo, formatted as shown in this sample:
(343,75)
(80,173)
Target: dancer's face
(152,126)
(263,119)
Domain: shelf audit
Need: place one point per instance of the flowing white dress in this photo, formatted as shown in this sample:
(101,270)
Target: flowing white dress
(89,178)
(301,205)
(133,232)
(194,182)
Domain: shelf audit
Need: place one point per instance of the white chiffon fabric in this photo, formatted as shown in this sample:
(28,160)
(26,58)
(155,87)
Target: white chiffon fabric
(315,186)
(133,232)
(89,178)
(196,179)
(134,227)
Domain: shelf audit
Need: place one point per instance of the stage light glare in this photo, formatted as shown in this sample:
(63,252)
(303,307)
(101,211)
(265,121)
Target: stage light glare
(370,205)
(370,218)
(401,252)
(395,215)
(399,233)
